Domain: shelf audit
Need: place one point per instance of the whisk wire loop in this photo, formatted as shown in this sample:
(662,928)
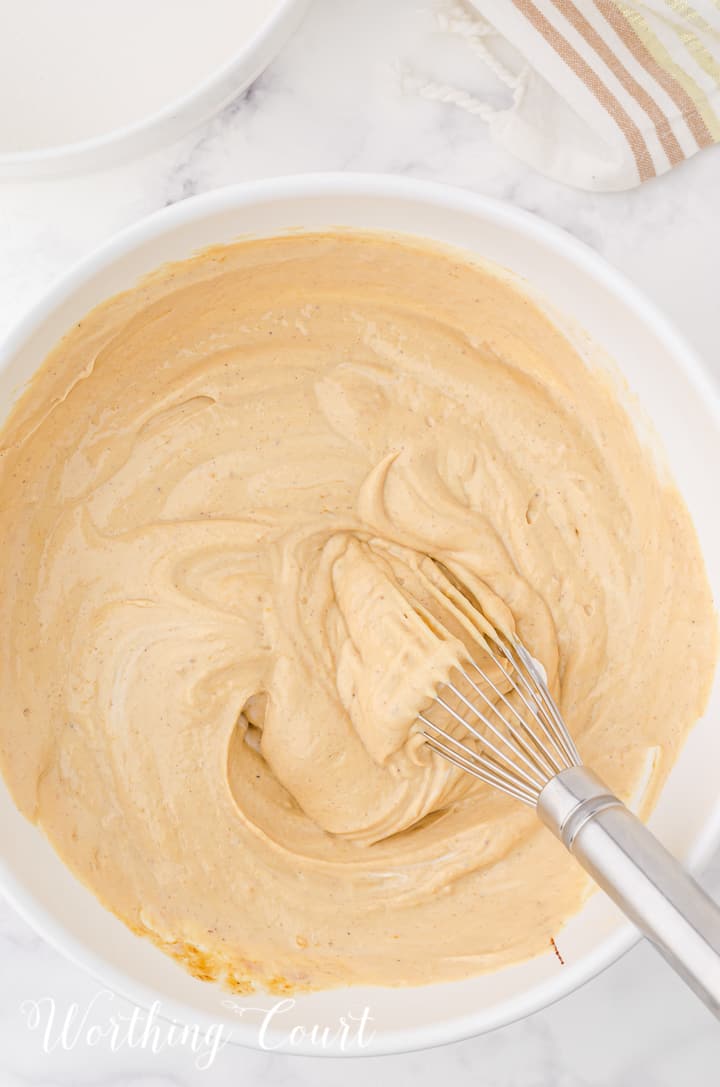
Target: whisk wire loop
(533,751)
(492,775)
(534,705)
(557,727)
(519,747)
(514,755)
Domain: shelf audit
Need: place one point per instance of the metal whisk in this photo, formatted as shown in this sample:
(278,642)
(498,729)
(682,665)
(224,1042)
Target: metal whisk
(496,719)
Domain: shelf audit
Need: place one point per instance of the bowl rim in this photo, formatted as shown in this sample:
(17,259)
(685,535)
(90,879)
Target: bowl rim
(179,116)
(437,195)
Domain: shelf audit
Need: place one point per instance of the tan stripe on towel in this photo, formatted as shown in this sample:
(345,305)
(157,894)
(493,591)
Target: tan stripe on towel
(667,138)
(652,54)
(594,83)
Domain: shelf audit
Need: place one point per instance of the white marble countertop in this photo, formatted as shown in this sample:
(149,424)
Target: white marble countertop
(332,101)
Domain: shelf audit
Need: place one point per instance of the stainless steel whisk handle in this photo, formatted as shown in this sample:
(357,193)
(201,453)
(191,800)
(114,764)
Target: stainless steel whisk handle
(637,872)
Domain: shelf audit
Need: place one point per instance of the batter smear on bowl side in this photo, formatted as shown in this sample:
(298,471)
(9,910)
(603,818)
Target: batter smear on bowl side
(223,498)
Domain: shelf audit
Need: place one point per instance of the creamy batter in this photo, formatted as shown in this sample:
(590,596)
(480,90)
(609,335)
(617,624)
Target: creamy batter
(218,495)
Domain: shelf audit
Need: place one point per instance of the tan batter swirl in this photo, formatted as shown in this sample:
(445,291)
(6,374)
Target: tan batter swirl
(217,498)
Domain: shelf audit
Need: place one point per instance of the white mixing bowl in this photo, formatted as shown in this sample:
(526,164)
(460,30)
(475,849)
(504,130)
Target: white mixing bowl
(158,115)
(684,408)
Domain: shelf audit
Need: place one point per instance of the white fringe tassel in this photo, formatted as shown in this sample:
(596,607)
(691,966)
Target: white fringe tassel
(455,18)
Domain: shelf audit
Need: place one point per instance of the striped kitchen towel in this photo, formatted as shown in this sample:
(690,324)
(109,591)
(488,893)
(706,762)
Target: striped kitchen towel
(605,93)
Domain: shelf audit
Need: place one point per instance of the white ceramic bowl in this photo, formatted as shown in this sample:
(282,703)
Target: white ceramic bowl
(681,402)
(175,118)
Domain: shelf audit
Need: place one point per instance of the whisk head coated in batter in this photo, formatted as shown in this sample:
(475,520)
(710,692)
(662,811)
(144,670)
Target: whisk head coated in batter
(495,718)
(498,721)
